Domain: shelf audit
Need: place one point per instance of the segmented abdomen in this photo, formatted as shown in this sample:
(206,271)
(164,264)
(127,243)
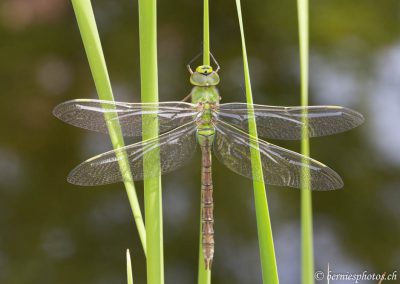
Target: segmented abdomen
(207,205)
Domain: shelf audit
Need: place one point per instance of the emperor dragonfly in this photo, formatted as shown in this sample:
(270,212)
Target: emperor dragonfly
(208,123)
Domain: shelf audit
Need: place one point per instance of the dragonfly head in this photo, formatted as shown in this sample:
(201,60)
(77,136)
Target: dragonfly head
(204,76)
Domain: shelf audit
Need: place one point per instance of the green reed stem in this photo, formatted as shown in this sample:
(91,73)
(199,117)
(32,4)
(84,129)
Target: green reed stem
(204,275)
(90,37)
(206,34)
(129,274)
(151,163)
(265,238)
(307,250)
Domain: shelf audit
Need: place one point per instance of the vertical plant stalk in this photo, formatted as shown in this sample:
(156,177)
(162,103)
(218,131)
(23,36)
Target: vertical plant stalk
(206,34)
(151,161)
(265,238)
(91,40)
(204,275)
(129,274)
(307,250)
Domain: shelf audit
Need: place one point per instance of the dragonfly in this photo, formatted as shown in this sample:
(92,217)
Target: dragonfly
(221,128)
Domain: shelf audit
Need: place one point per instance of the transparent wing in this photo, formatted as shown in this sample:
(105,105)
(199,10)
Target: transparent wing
(95,114)
(280,166)
(286,122)
(175,147)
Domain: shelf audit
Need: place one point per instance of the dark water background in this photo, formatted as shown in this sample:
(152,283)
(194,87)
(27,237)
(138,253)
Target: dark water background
(54,232)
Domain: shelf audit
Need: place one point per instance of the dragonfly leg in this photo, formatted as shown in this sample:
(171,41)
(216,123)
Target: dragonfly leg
(191,61)
(216,63)
(197,56)
(188,97)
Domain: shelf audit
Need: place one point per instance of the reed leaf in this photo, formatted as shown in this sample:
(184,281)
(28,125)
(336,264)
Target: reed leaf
(307,250)
(265,238)
(204,275)
(151,163)
(91,41)
(129,274)
(206,33)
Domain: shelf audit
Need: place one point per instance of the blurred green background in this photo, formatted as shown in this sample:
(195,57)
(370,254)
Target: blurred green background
(54,232)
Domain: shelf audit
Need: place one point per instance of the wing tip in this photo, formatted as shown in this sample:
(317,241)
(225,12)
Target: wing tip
(57,110)
(335,181)
(62,110)
(75,178)
(65,107)
(358,117)
(80,176)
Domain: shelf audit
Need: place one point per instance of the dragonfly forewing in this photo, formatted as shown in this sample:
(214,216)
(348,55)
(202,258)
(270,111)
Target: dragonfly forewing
(286,122)
(175,147)
(280,166)
(97,115)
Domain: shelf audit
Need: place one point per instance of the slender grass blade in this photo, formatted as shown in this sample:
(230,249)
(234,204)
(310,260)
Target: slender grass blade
(307,250)
(204,275)
(129,268)
(265,238)
(152,185)
(91,40)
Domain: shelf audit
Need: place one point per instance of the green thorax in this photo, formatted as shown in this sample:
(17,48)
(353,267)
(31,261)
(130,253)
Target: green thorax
(205,94)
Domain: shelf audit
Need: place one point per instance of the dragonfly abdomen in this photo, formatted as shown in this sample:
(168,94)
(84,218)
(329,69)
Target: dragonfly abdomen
(205,139)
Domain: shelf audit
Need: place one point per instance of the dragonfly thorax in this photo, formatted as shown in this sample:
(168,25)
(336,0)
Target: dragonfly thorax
(204,76)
